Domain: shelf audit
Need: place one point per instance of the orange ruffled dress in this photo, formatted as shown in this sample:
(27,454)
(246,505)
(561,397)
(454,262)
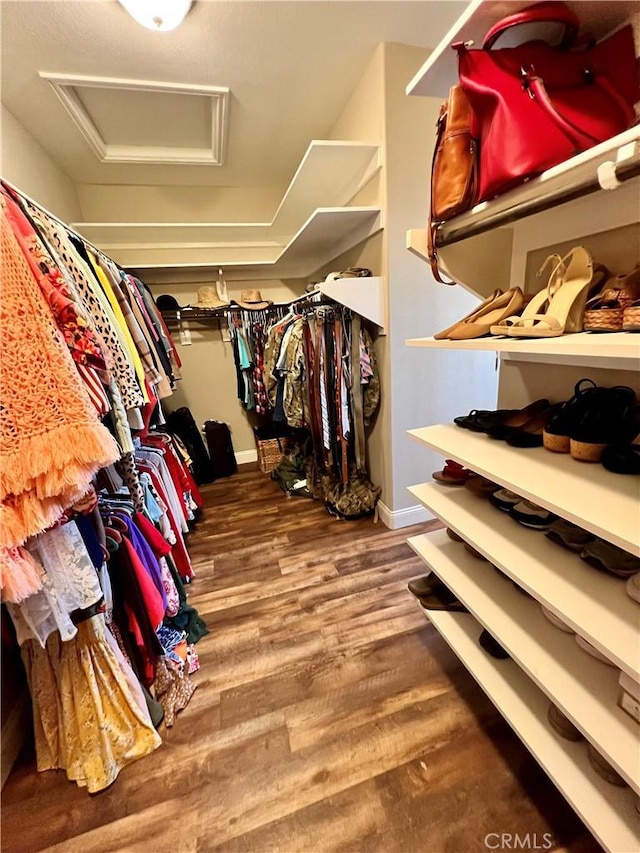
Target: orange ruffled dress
(51,441)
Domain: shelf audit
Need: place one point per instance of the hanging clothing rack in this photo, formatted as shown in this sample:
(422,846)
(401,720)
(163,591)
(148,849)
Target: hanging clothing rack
(12,188)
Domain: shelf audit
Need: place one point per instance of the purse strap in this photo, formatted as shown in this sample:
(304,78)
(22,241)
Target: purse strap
(550,11)
(537,90)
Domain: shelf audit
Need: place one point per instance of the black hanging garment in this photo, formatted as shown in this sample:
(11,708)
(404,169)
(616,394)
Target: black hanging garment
(181,423)
(223,458)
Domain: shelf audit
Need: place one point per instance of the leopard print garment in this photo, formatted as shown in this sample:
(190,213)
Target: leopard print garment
(122,369)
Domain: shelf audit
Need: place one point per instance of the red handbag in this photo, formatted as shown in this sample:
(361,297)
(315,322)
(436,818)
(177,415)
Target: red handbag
(535,105)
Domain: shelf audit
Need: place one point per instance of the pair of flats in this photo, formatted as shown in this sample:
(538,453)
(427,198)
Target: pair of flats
(600,554)
(523,511)
(434,595)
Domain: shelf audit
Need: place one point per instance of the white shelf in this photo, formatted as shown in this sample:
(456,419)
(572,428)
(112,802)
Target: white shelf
(585,689)
(366,296)
(622,346)
(606,504)
(440,71)
(328,177)
(607,811)
(593,603)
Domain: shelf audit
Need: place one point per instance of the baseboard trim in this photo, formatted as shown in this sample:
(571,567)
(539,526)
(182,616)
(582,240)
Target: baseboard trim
(245,456)
(403,517)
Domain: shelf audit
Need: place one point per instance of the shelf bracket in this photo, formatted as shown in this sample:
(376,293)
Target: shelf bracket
(607,171)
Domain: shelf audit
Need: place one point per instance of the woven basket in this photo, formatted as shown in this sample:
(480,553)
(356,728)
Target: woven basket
(270,452)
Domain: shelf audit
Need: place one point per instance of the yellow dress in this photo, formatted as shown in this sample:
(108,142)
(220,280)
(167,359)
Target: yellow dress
(87,719)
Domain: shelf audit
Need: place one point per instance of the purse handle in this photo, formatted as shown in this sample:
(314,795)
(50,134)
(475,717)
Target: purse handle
(534,85)
(432,253)
(549,11)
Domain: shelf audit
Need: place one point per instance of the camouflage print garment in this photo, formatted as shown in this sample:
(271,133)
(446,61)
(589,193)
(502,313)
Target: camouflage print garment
(296,390)
(271,353)
(371,399)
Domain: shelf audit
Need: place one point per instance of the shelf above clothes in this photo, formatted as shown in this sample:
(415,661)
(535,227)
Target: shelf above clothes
(312,224)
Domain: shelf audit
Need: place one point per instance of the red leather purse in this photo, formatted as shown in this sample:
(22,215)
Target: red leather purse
(535,105)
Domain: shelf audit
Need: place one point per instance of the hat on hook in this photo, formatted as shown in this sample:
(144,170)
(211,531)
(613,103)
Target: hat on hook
(252,299)
(165,302)
(208,298)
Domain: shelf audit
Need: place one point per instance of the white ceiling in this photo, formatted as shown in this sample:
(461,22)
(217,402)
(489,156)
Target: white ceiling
(290,67)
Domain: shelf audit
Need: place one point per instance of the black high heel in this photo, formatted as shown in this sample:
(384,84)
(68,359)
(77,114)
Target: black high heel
(605,420)
(558,427)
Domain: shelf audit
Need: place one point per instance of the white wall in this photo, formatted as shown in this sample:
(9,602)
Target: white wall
(208,384)
(25,163)
(427,386)
(117,203)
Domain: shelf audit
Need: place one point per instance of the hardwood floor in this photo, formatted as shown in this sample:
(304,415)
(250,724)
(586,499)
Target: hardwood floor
(329,716)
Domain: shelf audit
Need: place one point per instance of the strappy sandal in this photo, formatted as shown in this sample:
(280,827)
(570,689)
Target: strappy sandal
(539,300)
(566,308)
(606,311)
(453,474)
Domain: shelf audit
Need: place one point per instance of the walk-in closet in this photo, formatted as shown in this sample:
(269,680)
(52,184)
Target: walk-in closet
(320,426)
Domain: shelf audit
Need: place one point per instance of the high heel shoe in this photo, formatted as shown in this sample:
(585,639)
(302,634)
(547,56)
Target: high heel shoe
(555,435)
(605,420)
(513,419)
(566,307)
(538,302)
(606,311)
(492,422)
(479,324)
(477,311)
(531,434)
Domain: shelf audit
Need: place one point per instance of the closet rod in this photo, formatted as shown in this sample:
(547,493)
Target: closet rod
(554,197)
(65,225)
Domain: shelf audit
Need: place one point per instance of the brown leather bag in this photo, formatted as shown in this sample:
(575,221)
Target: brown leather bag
(454,171)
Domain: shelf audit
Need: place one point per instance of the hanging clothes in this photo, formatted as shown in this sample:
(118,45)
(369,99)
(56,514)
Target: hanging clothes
(52,441)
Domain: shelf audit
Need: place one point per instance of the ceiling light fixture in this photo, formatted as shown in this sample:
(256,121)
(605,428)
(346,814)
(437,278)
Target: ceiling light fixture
(160,15)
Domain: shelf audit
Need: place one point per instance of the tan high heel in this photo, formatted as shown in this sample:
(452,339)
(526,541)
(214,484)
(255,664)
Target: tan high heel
(566,308)
(478,325)
(477,311)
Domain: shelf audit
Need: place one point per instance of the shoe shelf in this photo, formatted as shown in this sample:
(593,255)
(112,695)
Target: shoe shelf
(622,346)
(607,811)
(593,603)
(584,688)
(606,504)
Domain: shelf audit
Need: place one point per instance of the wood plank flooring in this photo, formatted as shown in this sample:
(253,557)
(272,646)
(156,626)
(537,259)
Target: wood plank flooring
(329,715)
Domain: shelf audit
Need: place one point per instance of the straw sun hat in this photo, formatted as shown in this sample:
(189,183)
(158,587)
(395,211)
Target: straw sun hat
(208,298)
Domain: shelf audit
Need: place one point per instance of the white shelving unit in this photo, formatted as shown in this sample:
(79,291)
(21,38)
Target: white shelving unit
(617,345)
(609,812)
(593,603)
(365,296)
(584,688)
(313,223)
(487,247)
(606,504)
